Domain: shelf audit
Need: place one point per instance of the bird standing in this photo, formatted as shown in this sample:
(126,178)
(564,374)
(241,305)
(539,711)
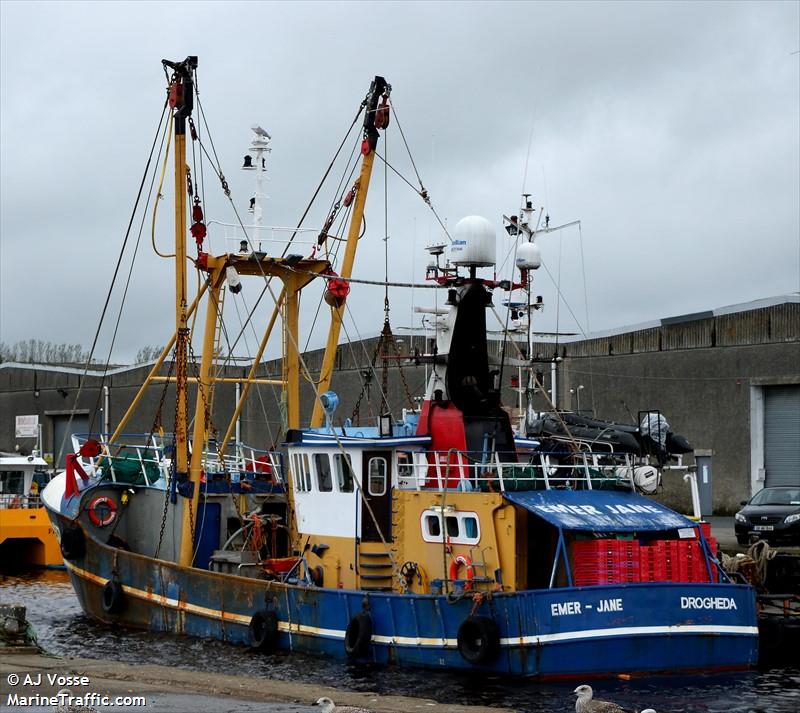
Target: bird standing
(585,704)
(328,706)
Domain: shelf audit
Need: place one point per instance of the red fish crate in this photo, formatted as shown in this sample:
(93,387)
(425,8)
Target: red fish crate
(697,569)
(605,562)
(674,561)
(652,565)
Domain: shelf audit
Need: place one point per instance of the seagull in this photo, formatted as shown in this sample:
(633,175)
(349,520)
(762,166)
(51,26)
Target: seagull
(64,706)
(328,706)
(585,704)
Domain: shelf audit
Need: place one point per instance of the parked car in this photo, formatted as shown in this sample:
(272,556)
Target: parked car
(773,514)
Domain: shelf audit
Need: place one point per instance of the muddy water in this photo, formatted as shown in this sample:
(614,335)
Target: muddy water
(64,630)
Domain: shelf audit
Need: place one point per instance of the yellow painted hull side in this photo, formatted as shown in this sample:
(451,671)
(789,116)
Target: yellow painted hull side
(27,539)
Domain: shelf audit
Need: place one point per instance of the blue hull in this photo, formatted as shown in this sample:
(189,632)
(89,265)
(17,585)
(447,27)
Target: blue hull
(553,633)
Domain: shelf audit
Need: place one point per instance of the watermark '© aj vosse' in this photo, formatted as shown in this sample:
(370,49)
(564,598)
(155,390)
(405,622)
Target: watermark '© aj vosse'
(64,698)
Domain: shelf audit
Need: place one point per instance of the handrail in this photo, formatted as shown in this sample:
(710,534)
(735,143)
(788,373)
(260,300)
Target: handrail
(18,501)
(467,473)
(150,453)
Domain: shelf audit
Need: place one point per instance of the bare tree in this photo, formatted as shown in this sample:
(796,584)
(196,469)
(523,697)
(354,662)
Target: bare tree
(37,351)
(148,353)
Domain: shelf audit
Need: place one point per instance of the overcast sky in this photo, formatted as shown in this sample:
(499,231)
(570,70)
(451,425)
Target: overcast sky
(671,130)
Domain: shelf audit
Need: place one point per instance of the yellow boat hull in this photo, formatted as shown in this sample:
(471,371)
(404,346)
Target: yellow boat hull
(27,539)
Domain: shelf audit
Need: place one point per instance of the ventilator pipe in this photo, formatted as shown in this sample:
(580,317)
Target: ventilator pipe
(691,476)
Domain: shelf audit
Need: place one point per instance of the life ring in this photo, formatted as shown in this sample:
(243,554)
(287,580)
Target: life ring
(467,562)
(358,635)
(113,597)
(263,630)
(478,639)
(72,543)
(102,511)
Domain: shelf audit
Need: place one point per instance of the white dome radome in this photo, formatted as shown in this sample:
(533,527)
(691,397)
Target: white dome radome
(529,257)
(474,242)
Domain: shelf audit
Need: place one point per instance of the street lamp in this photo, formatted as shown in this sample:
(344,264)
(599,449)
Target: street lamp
(577,393)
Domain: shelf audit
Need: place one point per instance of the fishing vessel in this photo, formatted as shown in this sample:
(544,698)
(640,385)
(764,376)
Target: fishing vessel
(27,538)
(445,539)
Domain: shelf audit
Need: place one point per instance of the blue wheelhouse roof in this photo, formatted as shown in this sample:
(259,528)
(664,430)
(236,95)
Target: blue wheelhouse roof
(599,510)
(317,440)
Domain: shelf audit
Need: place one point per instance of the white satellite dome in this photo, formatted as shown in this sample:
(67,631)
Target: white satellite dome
(474,242)
(529,257)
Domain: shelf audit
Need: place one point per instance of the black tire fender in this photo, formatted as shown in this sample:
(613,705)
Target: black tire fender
(263,630)
(113,597)
(358,635)
(73,544)
(478,640)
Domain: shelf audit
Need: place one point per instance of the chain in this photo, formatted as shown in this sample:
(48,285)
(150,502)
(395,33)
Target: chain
(406,389)
(181,377)
(171,473)
(355,418)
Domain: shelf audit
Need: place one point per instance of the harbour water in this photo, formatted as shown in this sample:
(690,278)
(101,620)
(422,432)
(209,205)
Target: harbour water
(63,630)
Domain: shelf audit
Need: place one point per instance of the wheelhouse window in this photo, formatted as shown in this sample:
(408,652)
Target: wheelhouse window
(302,472)
(344,472)
(405,464)
(377,476)
(460,528)
(433,526)
(322,464)
(12,481)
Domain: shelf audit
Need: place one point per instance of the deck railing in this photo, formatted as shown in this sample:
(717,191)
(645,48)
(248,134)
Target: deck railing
(146,459)
(14,501)
(464,471)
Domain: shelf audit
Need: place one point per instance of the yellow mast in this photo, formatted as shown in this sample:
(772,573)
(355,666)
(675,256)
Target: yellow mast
(181,99)
(379,86)
(294,276)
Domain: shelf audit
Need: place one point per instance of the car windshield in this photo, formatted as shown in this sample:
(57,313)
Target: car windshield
(777,496)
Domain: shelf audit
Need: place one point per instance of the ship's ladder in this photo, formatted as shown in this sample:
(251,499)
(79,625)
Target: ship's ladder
(374,567)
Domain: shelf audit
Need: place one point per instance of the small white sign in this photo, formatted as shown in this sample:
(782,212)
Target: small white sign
(27,426)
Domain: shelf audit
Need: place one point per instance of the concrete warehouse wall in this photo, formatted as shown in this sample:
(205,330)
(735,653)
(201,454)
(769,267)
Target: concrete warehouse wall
(699,371)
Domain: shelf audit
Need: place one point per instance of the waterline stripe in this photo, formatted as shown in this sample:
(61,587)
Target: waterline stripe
(296,628)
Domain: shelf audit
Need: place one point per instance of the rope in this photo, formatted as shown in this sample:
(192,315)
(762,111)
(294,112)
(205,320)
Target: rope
(755,561)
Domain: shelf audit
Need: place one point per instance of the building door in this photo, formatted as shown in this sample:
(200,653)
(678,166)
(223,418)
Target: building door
(781,435)
(61,445)
(376,480)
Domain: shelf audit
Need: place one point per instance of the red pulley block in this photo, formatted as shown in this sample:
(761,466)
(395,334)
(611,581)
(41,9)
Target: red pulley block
(365,147)
(198,232)
(382,115)
(197,211)
(175,94)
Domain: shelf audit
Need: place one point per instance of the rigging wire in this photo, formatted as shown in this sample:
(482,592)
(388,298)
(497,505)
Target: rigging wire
(324,177)
(127,283)
(586,304)
(82,378)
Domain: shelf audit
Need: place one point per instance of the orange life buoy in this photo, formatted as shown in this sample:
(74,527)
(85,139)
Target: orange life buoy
(102,511)
(467,562)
